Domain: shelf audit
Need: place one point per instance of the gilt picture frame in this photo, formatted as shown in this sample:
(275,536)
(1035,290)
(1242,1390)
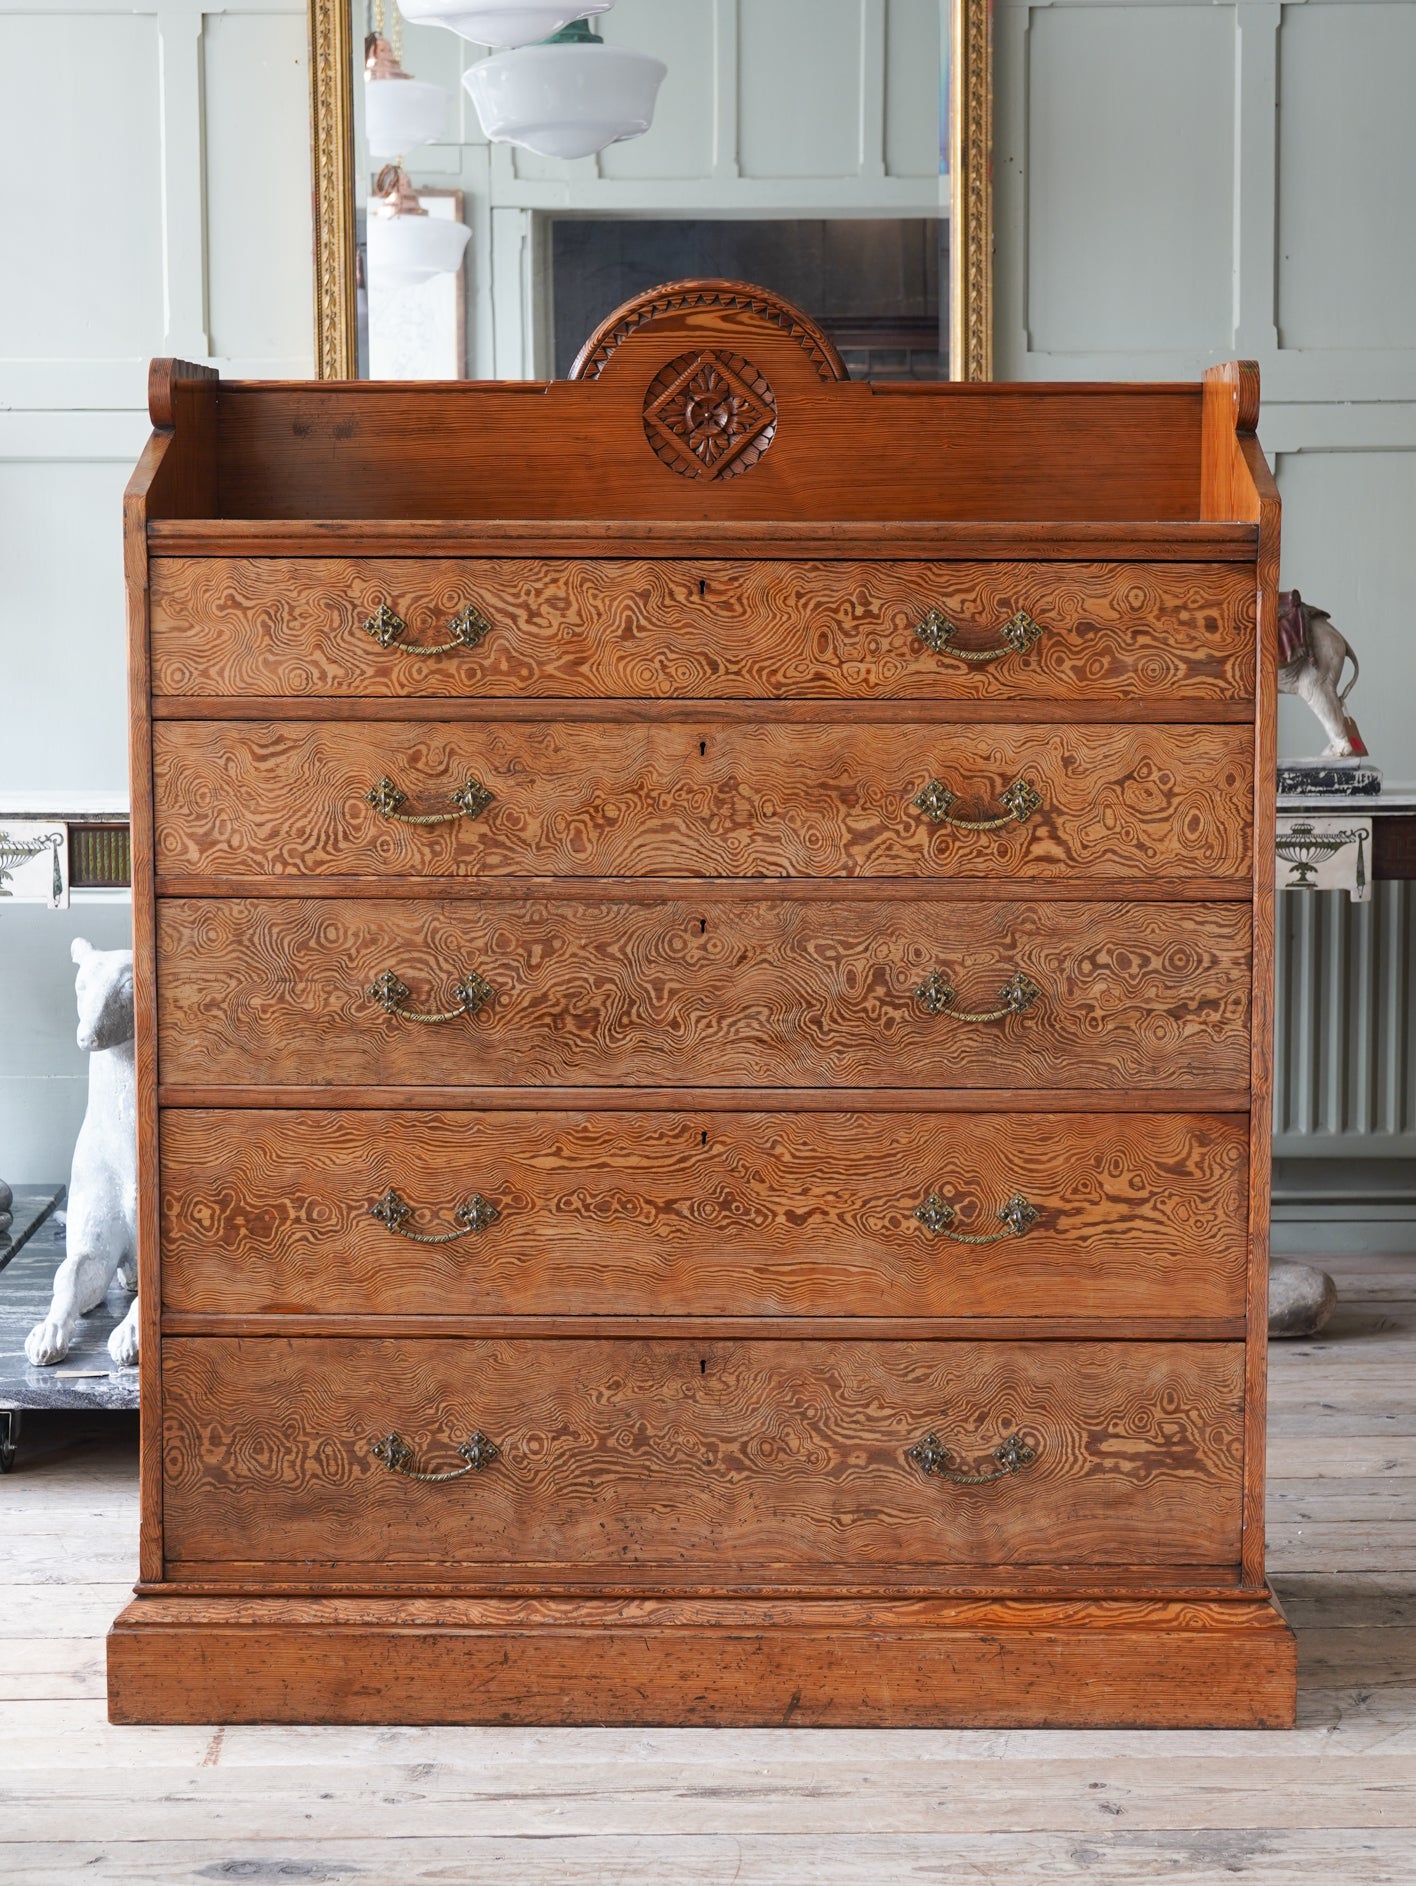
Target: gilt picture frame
(968,145)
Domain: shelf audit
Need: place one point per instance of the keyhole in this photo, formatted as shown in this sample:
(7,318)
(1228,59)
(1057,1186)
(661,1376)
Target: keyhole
(702,1366)
(702,926)
(702,748)
(702,1139)
(702,587)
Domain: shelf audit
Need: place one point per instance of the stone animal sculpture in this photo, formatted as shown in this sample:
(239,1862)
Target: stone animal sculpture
(1311,653)
(101,1231)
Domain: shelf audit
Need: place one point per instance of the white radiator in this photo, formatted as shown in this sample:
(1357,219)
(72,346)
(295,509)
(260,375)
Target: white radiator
(1345,1025)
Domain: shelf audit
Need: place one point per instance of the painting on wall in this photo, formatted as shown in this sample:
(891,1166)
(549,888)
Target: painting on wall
(34,862)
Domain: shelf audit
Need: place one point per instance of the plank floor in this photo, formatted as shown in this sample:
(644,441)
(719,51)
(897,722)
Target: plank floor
(1331,1804)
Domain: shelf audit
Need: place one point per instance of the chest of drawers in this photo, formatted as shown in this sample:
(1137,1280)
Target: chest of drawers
(703,1044)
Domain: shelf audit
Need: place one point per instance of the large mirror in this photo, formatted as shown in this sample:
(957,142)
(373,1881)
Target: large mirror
(493,177)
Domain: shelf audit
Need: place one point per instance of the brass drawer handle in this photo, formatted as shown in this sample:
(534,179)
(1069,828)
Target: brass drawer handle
(1021,800)
(1018,1216)
(471,799)
(397,1456)
(937,633)
(932,1457)
(466,629)
(393,1212)
(1016,996)
(390,991)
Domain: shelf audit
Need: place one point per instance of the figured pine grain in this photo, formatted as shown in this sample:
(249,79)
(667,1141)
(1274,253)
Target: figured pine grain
(601,627)
(683,800)
(729,1454)
(741,1215)
(702,994)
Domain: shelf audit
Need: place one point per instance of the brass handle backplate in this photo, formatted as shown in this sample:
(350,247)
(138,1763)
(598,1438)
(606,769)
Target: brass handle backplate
(937,1215)
(471,799)
(937,633)
(939,995)
(932,1457)
(466,629)
(398,1457)
(1021,800)
(390,991)
(393,1212)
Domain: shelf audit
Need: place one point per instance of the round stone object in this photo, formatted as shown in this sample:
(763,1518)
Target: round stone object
(1301,1299)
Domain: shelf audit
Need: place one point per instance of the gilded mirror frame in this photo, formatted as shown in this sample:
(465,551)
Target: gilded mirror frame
(970,189)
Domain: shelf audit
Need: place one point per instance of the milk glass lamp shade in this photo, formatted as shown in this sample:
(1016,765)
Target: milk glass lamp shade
(566,100)
(503,23)
(406,245)
(400,114)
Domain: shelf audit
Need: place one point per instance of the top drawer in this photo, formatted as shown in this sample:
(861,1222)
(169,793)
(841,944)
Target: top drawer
(626,628)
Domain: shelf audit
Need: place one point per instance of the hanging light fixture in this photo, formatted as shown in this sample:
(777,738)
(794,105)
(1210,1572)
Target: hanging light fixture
(406,245)
(502,22)
(568,97)
(400,112)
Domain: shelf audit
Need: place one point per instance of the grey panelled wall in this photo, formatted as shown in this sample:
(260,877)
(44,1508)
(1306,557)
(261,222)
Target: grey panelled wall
(1179,182)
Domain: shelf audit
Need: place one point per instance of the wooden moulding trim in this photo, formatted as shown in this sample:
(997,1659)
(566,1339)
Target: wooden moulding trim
(717,1328)
(1181,542)
(722,712)
(1119,1599)
(748,890)
(555,1586)
(723,1099)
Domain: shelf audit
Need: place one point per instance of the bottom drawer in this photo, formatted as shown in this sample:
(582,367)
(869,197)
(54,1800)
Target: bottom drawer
(730,1460)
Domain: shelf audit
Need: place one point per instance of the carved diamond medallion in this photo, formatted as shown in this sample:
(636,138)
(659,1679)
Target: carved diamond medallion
(710,415)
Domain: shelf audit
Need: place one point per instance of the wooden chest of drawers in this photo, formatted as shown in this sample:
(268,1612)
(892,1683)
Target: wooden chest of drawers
(703,1044)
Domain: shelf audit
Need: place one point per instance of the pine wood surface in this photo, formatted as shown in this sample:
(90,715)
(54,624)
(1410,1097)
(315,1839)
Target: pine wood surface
(724,1456)
(1140,996)
(850,452)
(619,627)
(683,800)
(1330,1803)
(739,1215)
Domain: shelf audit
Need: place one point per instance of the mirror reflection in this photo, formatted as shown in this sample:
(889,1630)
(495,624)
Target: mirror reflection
(521,169)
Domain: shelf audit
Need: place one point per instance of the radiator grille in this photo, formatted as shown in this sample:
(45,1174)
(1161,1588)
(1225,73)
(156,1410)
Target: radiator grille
(1345,1024)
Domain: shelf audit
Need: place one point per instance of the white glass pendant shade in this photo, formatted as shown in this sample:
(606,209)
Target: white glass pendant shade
(400,114)
(565,100)
(501,22)
(406,245)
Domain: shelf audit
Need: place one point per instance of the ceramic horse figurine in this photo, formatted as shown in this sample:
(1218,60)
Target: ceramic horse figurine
(103,1187)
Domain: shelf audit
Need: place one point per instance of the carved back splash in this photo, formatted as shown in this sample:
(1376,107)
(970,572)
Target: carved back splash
(708,400)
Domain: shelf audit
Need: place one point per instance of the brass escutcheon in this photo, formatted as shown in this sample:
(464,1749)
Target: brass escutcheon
(937,633)
(471,799)
(932,1457)
(1021,800)
(939,995)
(465,629)
(390,991)
(395,1454)
(393,1212)
(1018,1217)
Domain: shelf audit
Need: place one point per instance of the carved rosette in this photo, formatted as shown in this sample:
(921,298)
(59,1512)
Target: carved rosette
(710,415)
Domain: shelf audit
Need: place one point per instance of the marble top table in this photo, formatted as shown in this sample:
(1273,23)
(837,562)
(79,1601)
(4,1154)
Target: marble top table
(87,1378)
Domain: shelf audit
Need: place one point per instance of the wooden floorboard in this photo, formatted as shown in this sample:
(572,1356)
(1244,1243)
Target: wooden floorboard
(1333,1803)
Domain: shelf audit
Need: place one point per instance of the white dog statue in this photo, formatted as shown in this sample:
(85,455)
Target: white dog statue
(1310,657)
(101,1232)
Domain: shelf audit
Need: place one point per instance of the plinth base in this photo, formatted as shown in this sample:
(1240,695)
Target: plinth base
(858,1663)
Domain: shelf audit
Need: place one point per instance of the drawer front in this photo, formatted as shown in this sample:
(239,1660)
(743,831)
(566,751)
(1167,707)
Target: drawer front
(665,629)
(247,799)
(718,1214)
(734,1458)
(713,991)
